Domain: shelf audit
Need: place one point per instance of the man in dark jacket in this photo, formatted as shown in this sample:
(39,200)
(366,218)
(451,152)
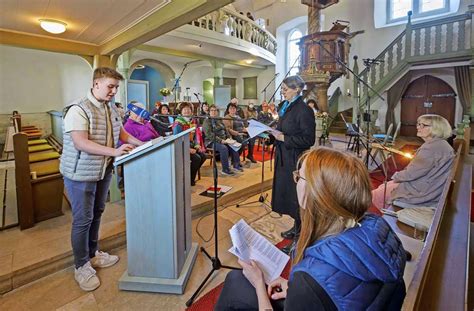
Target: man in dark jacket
(297,124)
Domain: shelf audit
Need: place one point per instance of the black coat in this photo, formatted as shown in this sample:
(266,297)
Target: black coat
(298,126)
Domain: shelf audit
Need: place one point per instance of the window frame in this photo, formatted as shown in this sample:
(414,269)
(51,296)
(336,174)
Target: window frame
(416,11)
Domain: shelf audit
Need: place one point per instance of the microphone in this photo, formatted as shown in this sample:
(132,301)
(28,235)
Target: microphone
(142,113)
(197,94)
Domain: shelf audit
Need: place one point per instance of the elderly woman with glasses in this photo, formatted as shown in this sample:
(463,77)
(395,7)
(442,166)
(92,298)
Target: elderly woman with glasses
(297,126)
(422,181)
(345,259)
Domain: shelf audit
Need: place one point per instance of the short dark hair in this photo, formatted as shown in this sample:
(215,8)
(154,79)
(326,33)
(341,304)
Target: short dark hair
(106,72)
(184,105)
(160,110)
(294,82)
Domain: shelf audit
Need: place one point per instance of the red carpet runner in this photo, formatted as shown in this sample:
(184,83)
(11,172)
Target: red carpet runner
(208,301)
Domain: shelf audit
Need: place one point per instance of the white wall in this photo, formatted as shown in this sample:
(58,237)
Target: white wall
(38,81)
(263,78)
(360,14)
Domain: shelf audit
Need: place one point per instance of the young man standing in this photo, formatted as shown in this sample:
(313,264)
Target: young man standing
(92,129)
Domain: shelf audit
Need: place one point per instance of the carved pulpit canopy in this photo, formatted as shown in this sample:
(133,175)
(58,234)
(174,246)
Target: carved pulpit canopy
(320,4)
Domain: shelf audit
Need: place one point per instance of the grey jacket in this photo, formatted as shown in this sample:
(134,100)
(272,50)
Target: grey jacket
(422,181)
(82,166)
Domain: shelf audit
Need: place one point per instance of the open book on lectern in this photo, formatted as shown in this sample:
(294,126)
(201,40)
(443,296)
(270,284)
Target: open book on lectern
(149,144)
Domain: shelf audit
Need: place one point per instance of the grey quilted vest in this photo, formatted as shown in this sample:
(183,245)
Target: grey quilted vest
(81,166)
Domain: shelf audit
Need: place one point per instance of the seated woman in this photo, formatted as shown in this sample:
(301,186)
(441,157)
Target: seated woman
(312,103)
(237,130)
(204,109)
(265,116)
(273,111)
(182,123)
(138,127)
(164,125)
(422,181)
(251,112)
(345,259)
(220,133)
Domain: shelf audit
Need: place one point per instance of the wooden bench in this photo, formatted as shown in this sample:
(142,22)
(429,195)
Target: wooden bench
(39,197)
(31,131)
(440,279)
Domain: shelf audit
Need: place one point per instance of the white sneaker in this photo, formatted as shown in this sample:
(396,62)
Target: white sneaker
(86,277)
(103,260)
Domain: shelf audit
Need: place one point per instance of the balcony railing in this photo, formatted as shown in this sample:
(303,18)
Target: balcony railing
(236,25)
(440,40)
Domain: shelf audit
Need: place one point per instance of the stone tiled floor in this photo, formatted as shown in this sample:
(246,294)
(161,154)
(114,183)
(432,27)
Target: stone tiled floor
(60,291)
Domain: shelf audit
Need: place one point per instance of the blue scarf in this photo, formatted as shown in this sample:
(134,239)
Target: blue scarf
(286,105)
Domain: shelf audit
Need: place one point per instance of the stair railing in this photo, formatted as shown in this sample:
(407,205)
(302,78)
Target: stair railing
(433,41)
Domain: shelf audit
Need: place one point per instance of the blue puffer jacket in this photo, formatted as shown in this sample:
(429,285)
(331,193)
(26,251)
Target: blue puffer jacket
(361,268)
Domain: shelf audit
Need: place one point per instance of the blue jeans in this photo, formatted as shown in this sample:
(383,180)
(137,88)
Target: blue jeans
(87,203)
(224,151)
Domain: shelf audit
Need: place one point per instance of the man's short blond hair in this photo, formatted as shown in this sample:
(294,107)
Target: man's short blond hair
(440,127)
(106,72)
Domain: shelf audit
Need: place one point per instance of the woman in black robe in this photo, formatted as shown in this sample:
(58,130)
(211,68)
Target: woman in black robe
(297,124)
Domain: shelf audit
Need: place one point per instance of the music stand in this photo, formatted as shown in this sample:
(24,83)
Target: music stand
(216,263)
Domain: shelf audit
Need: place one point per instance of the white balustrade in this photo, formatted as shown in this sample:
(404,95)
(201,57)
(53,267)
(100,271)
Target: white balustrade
(236,25)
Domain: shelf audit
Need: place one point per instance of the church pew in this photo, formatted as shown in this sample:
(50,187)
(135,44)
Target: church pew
(31,131)
(440,279)
(42,156)
(37,142)
(38,148)
(38,197)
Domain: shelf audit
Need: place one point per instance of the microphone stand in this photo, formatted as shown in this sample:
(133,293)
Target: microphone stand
(216,263)
(264,91)
(359,81)
(176,82)
(263,198)
(286,75)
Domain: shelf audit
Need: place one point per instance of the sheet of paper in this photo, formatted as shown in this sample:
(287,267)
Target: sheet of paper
(255,128)
(142,147)
(247,244)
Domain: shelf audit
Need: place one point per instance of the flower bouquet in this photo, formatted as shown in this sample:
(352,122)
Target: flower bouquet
(165,91)
(322,122)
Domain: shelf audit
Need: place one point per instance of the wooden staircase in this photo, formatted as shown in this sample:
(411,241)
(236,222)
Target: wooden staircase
(338,125)
(443,40)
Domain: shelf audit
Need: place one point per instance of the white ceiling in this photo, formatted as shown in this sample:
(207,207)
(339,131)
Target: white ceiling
(98,21)
(89,21)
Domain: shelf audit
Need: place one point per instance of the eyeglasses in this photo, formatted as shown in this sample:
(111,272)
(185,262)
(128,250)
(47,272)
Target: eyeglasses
(422,125)
(297,176)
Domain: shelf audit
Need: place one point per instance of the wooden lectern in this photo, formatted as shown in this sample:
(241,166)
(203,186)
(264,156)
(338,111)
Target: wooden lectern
(158,215)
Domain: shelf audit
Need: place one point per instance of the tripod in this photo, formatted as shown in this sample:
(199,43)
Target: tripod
(369,88)
(368,62)
(263,198)
(216,263)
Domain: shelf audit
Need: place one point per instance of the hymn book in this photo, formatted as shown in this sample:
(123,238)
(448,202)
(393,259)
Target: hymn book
(248,244)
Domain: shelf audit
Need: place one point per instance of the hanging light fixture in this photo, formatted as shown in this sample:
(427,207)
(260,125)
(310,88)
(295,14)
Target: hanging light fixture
(53,26)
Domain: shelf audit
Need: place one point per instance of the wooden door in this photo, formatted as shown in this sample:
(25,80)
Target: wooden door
(425,95)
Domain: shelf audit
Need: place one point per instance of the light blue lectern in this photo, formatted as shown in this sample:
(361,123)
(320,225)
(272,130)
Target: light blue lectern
(158,215)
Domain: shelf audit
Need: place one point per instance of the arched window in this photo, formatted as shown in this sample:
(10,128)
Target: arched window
(293,51)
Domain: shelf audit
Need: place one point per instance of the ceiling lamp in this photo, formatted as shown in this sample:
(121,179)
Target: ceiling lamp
(53,26)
